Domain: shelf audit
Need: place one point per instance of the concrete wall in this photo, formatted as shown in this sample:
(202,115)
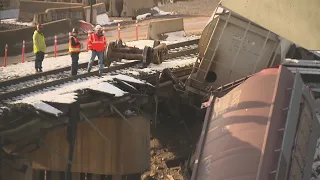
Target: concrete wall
(130,7)
(100,7)
(15,37)
(10,4)
(29,8)
(94,15)
(66,1)
(78,13)
(106,2)
(54,14)
(156,28)
(40,18)
(126,152)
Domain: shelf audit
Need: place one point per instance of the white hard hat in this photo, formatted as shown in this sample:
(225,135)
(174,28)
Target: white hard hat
(98,27)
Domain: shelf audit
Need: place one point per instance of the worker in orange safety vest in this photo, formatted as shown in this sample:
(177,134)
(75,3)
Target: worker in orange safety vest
(97,44)
(74,50)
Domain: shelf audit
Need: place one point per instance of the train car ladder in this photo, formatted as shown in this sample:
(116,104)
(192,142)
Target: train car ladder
(206,69)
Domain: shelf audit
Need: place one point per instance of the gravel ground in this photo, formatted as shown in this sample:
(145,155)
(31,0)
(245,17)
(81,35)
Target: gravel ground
(191,7)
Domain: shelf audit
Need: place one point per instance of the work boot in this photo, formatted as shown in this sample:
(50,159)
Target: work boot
(40,70)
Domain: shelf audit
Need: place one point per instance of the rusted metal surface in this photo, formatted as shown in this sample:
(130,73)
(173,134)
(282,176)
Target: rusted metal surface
(157,54)
(127,56)
(128,50)
(117,51)
(272,142)
(242,128)
(265,128)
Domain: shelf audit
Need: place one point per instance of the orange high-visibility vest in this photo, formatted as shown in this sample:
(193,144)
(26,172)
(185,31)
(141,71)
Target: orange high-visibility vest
(97,44)
(76,48)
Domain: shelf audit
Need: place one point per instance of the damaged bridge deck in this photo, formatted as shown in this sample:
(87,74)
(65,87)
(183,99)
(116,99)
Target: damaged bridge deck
(51,123)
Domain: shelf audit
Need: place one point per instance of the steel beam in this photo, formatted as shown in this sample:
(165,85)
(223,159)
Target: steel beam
(128,56)
(74,118)
(95,127)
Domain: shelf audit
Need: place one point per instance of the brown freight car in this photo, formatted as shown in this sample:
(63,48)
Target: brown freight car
(263,129)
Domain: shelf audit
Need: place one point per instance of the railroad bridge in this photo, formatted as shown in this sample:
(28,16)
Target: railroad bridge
(55,126)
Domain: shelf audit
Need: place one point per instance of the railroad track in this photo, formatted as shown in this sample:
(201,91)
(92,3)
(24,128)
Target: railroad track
(186,47)
(27,84)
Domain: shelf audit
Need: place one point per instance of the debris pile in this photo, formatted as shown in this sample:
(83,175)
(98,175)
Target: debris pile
(171,144)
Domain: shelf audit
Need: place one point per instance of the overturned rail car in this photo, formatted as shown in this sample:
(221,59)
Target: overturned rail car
(263,129)
(231,47)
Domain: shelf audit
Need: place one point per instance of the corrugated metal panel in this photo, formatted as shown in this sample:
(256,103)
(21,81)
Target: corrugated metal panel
(295,20)
(127,152)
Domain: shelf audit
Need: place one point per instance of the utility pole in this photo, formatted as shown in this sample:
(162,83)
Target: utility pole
(91,2)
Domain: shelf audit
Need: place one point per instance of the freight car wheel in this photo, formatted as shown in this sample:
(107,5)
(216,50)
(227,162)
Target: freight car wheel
(107,57)
(155,43)
(119,43)
(146,56)
(158,57)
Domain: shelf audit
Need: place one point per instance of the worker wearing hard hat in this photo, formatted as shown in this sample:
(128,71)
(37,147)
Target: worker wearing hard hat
(39,47)
(74,49)
(97,44)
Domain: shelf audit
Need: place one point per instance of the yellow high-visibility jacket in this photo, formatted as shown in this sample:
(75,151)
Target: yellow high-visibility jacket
(39,43)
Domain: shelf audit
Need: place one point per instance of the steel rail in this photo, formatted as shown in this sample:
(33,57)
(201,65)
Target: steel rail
(27,90)
(12,94)
(34,82)
(183,44)
(181,53)
(82,65)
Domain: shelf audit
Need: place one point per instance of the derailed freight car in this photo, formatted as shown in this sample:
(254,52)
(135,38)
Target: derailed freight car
(231,47)
(265,128)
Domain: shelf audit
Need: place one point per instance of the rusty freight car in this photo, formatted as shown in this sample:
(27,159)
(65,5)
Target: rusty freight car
(263,129)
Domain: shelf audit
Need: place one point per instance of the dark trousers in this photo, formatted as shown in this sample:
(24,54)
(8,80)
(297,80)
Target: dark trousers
(38,60)
(74,64)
